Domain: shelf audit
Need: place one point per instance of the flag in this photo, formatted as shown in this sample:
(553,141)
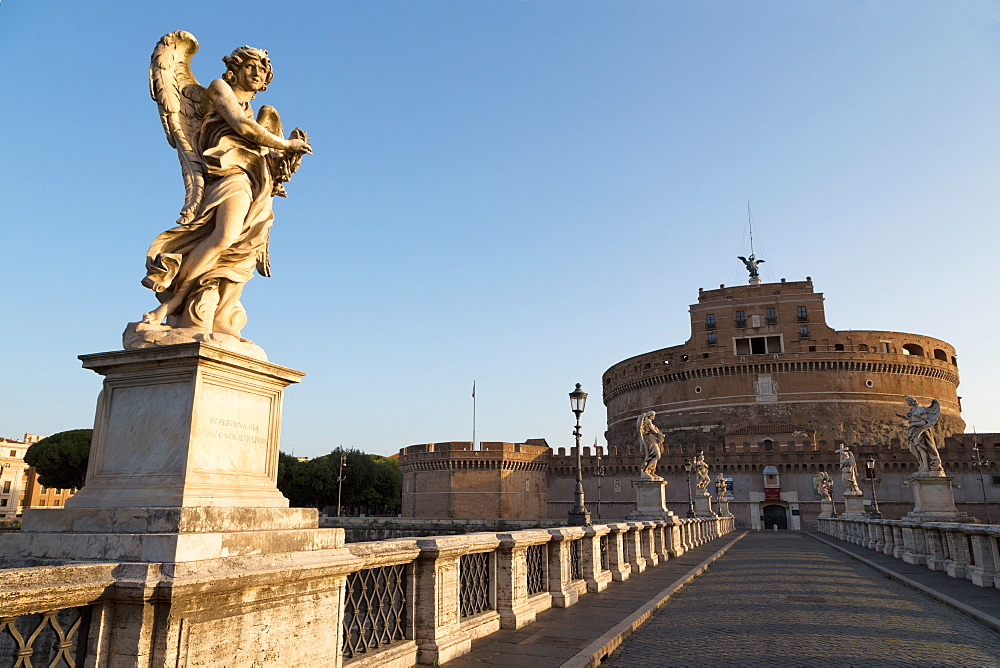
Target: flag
(473,389)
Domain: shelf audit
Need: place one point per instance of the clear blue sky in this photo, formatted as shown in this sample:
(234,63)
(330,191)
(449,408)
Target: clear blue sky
(520,193)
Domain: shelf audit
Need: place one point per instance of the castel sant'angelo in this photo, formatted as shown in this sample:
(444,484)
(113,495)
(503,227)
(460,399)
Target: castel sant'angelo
(765,388)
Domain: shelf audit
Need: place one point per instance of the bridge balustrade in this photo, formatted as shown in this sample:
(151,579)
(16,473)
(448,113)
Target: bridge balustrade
(405,601)
(963,551)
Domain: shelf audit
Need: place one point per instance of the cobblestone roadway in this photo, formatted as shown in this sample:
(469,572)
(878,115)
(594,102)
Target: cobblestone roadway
(785,599)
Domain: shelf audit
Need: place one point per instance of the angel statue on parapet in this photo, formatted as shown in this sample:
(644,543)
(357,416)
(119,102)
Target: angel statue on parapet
(650,445)
(233,165)
(701,470)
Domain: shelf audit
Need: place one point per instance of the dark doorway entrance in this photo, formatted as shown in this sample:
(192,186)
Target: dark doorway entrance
(775,515)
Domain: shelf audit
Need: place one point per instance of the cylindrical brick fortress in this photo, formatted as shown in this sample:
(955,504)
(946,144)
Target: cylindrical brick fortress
(763,368)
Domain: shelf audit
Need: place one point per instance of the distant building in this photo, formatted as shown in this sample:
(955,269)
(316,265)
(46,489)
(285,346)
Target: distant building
(12,473)
(38,496)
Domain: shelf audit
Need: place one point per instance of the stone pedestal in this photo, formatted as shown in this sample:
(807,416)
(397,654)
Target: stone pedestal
(724,507)
(934,500)
(826,508)
(703,505)
(854,506)
(650,501)
(182,465)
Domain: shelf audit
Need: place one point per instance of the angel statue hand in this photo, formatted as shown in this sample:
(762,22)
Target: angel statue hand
(298,146)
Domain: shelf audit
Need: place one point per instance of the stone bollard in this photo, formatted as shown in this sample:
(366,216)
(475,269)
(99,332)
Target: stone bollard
(564,588)
(620,568)
(442,632)
(594,574)
(516,606)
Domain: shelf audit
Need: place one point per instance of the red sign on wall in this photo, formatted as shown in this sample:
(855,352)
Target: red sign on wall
(772,494)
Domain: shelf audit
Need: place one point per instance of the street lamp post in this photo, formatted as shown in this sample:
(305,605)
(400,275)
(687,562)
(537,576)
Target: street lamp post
(978,463)
(687,469)
(340,480)
(870,474)
(579,515)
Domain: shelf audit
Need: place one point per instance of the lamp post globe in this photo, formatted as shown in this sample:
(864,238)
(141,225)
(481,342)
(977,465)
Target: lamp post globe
(579,515)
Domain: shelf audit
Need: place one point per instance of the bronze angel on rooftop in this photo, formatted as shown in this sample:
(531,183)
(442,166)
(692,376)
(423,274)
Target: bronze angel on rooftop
(233,165)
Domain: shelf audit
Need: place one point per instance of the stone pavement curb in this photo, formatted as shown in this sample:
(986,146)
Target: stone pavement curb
(602,647)
(978,615)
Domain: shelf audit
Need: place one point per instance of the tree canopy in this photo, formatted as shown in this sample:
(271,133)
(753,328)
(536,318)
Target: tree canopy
(61,459)
(372,484)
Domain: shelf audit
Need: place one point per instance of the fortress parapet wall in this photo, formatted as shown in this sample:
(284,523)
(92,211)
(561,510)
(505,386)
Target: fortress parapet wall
(500,480)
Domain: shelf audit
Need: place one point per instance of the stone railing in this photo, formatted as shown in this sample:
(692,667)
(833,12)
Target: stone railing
(424,600)
(965,551)
(405,601)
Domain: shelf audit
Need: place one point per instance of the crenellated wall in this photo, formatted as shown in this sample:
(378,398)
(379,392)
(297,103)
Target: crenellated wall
(500,480)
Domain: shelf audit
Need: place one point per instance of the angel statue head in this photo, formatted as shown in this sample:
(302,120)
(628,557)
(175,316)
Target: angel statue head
(248,68)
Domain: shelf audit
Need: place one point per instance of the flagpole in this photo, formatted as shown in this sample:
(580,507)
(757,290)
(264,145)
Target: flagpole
(473,415)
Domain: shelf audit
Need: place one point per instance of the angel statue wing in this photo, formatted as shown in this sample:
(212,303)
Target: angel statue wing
(178,95)
(933,413)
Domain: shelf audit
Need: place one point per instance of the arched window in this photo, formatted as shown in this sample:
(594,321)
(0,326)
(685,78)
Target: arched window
(912,349)
(940,355)
(838,346)
(768,445)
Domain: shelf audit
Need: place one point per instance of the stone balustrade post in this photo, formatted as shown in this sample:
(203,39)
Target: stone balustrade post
(633,543)
(661,540)
(874,534)
(515,605)
(888,537)
(646,541)
(672,532)
(936,552)
(958,550)
(594,574)
(897,540)
(564,589)
(984,555)
(914,544)
(621,569)
(438,623)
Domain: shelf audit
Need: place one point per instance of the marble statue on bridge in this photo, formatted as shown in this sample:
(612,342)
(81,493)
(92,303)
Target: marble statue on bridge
(825,486)
(650,445)
(701,470)
(233,165)
(920,420)
(848,470)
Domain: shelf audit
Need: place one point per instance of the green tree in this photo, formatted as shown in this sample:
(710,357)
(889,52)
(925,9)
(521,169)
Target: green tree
(61,459)
(372,484)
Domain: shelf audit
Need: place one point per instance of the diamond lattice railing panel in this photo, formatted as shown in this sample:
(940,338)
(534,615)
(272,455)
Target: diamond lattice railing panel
(474,583)
(536,558)
(56,638)
(375,608)
(576,559)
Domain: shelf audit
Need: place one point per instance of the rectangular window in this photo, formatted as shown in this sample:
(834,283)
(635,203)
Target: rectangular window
(41,502)
(741,319)
(711,339)
(885,347)
(710,321)
(771,317)
(758,345)
(996,480)
(803,314)
(13,453)
(3,502)
(804,332)
(6,486)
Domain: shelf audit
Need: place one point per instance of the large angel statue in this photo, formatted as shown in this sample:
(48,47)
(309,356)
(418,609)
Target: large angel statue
(701,470)
(650,445)
(233,165)
(919,420)
(848,470)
